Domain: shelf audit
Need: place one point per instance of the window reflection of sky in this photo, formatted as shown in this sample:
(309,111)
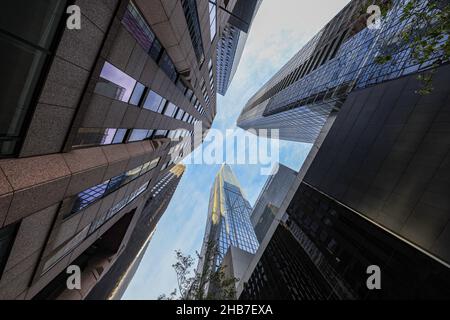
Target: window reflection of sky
(112,74)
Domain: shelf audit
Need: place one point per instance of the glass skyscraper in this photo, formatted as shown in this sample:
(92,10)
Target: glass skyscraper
(340,59)
(228,220)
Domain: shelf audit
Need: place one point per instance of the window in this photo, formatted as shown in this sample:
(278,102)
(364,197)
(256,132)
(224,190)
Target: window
(27,32)
(151,165)
(138,135)
(7,235)
(138,27)
(189,94)
(170,109)
(96,136)
(150,133)
(191,14)
(115,84)
(141,31)
(88,197)
(212,18)
(154,102)
(120,136)
(155,51)
(108,136)
(93,194)
(132,174)
(115,183)
(160,134)
(180,114)
(168,67)
(138,92)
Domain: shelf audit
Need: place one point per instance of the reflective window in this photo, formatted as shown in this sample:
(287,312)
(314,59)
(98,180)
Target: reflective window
(191,15)
(155,51)
(138,27)
(170,110)
(115,84)
(138,92)
(141,31)
(95,136)
(168,67)
(150,133)
(132,174)
(89,196)
(120,136)
(212,19)
(180,114)
(161,133)
(154,102)
(150,165)
(115,183)
(138,135)
(108,136)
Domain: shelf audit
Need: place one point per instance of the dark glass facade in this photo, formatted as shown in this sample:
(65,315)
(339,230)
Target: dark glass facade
(340,244)
(27,33)
(285,272)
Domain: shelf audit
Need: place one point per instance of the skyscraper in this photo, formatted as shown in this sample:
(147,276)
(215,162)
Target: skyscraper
(89,119)
(340,59)
(228,223)
(232,41)
(374,189)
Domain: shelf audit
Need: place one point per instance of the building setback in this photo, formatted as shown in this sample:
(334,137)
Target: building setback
(89,125)
(374,189)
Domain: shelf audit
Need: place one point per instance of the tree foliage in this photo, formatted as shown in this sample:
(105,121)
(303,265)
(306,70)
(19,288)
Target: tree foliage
(427,33)
(191,283)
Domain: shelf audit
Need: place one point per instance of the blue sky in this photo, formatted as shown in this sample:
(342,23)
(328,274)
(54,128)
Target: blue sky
(280,29)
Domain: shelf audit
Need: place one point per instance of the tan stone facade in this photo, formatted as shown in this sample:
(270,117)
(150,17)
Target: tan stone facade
(51,170)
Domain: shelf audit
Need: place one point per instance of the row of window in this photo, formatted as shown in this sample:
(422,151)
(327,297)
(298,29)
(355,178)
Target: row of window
(93,194)
(135,23)
(89,229)
(89,137)
(100,221)
(116,84)
(205,92)
(193,22)
(162,184)
(319,57)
